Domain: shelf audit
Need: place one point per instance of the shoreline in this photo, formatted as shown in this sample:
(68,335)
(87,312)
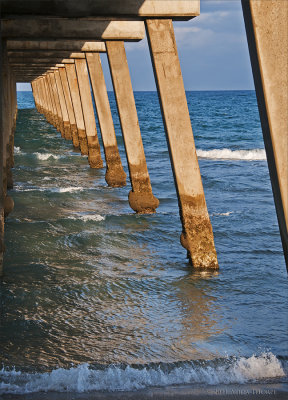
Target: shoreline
(257,391)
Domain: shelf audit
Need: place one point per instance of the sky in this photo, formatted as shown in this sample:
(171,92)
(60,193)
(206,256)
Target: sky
(212,49)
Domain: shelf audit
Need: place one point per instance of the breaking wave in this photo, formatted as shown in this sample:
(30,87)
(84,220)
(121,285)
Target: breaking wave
(69,189)
(227,154)
(46,156)
(224,214)
(17,150)
(87,217)
(85,377)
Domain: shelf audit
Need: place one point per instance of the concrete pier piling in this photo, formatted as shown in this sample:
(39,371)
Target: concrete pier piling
(51,113)
(77,106)
(267,34)
(197,235)
(73,133)
(56,111)
(141,198)
(115,175)
(65,116)
(94,154)
(57,103)
(8,110)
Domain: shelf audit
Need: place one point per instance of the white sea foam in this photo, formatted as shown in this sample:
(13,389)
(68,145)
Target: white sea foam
(83,378)
(70,189)
(17,150)
(227,154)
(88,217)
(46,156)
(225,214)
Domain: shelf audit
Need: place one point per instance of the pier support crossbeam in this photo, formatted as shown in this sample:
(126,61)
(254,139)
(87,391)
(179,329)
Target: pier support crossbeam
(197,235)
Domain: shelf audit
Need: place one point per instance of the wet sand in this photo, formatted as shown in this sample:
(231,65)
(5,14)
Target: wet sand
(227,392)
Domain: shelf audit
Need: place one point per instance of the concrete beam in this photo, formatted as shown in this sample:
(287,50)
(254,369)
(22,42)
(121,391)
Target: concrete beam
(266,27)
(59,45)
(182,9)
(53,28)
(48,61)
(67,61)
(39,54)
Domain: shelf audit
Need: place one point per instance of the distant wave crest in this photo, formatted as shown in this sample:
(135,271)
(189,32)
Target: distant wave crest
(84,378)
(17,150)
(88,217)
(69,189)
(227,154)
(46,156)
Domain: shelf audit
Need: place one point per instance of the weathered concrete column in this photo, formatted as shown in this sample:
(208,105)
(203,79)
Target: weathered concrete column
(54,110)
(66,123)
(34,91)
(41,96)
(12,127)
(77,106)
(2,194)
(267,34)
(57,102)
(69,105)
(141,198)
(6,129)
(44,96)
(9,131)
(197,235)
(115,175)
(50,113)
(94,154)
(37,95)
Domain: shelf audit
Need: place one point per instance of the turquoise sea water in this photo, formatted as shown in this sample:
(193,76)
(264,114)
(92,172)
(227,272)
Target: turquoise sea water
(95,297)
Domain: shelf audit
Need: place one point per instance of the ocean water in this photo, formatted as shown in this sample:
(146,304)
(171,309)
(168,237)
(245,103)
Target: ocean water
(95,297)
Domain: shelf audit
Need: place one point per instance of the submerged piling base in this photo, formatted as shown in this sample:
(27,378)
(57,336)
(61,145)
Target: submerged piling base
(115,175)
(83,143)
(75,137)
(94,154)
(67,130)
(8,205)
(197,235)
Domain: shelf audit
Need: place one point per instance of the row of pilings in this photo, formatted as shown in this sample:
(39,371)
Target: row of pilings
(64,97)
(60,70)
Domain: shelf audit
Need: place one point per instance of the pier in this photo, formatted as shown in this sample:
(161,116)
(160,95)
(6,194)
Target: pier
(56,46)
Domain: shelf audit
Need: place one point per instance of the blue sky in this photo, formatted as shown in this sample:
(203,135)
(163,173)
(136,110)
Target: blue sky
(212,49)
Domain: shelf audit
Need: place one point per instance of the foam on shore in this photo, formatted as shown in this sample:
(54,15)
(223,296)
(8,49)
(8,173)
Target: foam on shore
(85,377)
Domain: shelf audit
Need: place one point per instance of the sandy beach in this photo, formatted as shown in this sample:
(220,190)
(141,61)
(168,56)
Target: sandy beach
(227,392)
